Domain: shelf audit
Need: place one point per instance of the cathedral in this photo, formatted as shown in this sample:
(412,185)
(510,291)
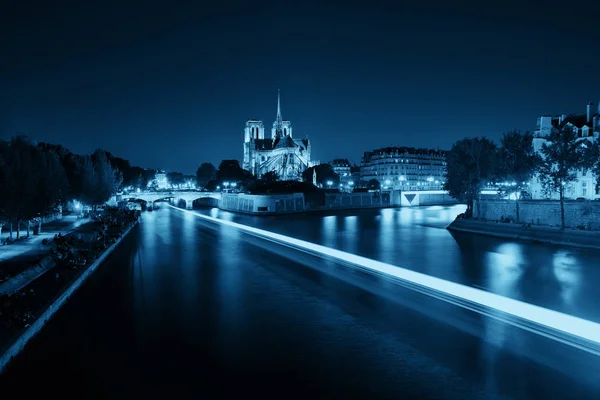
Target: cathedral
(287,156)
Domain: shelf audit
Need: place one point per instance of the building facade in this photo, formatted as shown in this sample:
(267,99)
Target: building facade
(281,153)
(342,167)
(405,168)
(587,127)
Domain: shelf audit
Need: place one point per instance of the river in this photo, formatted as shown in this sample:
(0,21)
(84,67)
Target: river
(188,307)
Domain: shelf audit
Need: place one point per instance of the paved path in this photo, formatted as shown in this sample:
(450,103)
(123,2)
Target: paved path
(33,244)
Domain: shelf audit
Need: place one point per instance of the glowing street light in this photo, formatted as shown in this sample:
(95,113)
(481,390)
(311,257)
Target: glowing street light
(226,184)
(387,182)
(350,183)
(233,184)
(430,179)
(401,178)
(329,183)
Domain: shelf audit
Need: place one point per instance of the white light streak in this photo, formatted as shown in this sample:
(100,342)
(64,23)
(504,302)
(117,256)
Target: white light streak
(558,321)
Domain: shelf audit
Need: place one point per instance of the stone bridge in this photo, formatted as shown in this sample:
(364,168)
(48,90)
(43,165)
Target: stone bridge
(210,199)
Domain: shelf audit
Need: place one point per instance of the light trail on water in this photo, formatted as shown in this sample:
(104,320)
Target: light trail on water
(584,334)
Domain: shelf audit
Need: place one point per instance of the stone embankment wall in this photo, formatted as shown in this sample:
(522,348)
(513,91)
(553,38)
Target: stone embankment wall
(41,321)
(262,204)
(585,214)
(298,202)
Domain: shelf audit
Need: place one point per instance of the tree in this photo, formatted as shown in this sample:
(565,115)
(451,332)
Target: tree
(22,178)
(325,173)
(470,164)
(108,179)
(53,186)
(562,156)
(230,171)
(175,179)
(517,162)
(270,177)
(373,184)
(205,173)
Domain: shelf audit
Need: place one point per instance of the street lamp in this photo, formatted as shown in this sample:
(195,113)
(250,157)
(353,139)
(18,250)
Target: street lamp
(329,183)
(350,183)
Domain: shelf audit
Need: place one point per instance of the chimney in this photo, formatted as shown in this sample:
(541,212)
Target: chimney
(590,111)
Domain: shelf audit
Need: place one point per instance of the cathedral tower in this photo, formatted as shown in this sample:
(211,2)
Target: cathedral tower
(280,128)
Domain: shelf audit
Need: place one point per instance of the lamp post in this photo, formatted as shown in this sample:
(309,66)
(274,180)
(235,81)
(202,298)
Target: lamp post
(329,183)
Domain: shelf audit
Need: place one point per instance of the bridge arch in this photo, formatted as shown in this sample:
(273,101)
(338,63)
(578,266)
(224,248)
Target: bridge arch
(180,198)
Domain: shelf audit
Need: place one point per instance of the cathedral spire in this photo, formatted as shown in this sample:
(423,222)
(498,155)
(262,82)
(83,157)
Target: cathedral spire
(279,120)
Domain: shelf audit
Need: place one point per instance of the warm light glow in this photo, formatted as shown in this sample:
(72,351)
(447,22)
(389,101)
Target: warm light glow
(460,295)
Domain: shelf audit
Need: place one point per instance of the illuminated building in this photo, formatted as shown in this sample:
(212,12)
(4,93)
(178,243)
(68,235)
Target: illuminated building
(405,168)
(587,127)
(287,156)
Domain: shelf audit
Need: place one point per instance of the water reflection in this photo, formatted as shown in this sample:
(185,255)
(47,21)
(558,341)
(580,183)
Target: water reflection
(350,233)
(416,238)
(567,271)
(504,268)
(329,230)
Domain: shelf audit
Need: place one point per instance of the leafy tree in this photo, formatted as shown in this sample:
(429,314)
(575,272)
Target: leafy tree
(175,179)
(270,177)
(562,156)
(108,179)
(211,186)
(205,173)
(517,162)
(469,165)
(325,173)
(53,186)
(373,184)
(22,176)
(230,171)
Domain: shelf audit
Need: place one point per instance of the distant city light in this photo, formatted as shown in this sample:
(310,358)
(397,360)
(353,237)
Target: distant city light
(387,182)
(402,178)
(329,183)
(233,184)
(350,183)
(138,190)
(430,179)
(77,205)
(226,184)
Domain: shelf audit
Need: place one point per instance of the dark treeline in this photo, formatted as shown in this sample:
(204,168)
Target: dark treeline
(37,179)
(474,164)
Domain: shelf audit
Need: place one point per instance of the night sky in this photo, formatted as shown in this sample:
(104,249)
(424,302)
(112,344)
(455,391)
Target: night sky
(170,85)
